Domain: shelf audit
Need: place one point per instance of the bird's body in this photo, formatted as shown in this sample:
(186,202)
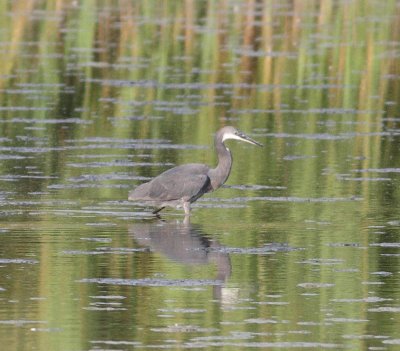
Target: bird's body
(175,187)
(182,185)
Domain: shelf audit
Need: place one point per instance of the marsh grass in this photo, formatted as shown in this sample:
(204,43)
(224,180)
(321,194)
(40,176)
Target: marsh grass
(296,67)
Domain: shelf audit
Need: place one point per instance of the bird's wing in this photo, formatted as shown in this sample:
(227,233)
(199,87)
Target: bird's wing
(188,182)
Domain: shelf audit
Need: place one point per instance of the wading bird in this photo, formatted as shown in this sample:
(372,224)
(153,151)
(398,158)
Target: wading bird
(182,185)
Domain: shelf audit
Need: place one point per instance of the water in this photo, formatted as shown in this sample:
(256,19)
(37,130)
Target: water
(300,249)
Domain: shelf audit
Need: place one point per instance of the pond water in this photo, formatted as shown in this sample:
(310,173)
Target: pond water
(299,250)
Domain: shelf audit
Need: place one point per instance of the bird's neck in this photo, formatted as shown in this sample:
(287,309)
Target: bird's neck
(220,174)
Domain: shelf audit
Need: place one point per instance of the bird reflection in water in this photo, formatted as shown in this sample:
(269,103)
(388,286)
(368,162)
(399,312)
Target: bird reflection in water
(186,243)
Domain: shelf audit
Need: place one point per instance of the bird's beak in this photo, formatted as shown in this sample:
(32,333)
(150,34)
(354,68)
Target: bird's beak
(247,139)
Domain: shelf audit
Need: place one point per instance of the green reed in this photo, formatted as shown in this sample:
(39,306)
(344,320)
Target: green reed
(274,57)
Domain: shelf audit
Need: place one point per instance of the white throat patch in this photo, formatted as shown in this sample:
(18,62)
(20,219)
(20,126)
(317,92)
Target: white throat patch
(227,136)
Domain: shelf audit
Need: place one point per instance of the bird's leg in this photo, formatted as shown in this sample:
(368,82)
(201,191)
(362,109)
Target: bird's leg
(186,221)
(157,210)
(186,207)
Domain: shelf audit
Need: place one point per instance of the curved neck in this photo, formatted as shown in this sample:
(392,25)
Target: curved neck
(220,174)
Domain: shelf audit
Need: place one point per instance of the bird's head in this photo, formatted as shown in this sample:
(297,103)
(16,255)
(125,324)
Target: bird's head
(232,133)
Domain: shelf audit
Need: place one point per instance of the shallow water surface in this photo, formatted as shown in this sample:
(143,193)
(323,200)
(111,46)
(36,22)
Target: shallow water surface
(298,250)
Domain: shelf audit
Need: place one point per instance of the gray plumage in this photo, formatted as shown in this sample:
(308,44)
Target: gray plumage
(182,185)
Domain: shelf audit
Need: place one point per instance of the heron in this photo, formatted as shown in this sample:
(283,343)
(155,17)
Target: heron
(182,185)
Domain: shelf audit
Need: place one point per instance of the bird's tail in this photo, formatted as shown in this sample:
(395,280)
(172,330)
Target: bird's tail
(139,193)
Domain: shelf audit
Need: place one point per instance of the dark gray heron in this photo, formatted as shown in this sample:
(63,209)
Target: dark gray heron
(182,185)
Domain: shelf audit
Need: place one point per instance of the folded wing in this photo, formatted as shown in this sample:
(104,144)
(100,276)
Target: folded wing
(187,182)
